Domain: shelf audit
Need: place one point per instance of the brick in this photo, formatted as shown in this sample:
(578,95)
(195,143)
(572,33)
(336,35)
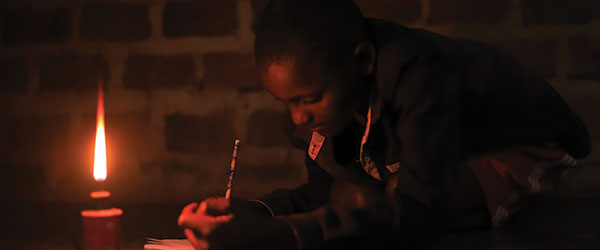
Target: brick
(21,182)
(468,11)
(253,180)
(406,11)
(200,134)
(39,156)
(50,149)
(171,167)
(231,70)
(13,72)
(29,26)
(558,11)
(80,73)
(137,161)
(267,172)
(538,56)
(266,128)
(174,180)
(31,141)
(595,10)
(130,139)
(115,22)
(200,18)
(185,179)
(154,71)
(584,62)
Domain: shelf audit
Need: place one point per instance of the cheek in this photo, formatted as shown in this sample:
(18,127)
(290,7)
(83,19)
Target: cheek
(328,109)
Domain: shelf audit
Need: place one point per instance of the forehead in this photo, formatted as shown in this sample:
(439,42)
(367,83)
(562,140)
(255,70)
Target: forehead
(291,77)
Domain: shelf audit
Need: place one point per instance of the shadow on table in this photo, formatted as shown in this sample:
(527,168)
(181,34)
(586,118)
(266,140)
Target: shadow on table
(545,223)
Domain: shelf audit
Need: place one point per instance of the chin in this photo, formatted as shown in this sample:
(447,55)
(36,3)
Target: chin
(328,131)
(323,132)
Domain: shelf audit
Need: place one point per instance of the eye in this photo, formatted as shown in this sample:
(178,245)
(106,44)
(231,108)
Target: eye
(312,99)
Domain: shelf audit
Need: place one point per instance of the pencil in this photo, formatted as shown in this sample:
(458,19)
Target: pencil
(236,147)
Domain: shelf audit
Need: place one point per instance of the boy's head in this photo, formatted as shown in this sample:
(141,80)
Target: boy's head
(315,57)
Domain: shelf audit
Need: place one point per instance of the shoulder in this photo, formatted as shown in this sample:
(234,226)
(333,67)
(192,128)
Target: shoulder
(413,59)
(397,43)
(401,50)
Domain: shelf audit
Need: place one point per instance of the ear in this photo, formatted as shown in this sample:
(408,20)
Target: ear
(365,56)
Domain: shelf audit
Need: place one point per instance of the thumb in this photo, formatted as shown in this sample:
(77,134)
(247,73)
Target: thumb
(198,244)
(216,205)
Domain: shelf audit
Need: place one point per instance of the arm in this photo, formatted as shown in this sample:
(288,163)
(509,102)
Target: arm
(305,198)
(214,230)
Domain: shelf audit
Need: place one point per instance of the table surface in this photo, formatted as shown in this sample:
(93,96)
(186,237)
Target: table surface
(545,224)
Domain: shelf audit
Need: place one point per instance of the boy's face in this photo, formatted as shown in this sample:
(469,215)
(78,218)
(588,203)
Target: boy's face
(316,97)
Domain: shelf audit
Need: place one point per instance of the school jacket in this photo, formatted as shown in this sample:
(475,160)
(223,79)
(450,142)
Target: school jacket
(435,102)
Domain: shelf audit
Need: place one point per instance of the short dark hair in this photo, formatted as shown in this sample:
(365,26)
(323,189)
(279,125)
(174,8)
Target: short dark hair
(326,30)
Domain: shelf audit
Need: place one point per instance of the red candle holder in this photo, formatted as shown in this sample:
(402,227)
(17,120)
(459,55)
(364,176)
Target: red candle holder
(101,226)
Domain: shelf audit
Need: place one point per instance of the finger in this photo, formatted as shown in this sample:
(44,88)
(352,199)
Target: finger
(214,222)
(205,224)
(219,203)
(202,223)
(193,221)
(191,236)
(201,208)
(186,212)
(190,208)
(198,244)
(217,206)
(203,244)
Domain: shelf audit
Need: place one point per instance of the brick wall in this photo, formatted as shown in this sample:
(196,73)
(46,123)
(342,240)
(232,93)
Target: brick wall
(180,86)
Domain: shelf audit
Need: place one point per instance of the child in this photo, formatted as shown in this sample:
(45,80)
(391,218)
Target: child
(408,134)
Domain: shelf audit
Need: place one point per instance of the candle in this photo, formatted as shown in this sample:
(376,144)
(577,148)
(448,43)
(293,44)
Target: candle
(102,224)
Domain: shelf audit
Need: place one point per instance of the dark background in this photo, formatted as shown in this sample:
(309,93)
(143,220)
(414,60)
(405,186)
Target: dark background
(181,86)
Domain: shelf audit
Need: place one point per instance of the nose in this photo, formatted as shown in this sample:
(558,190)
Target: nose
(300,116)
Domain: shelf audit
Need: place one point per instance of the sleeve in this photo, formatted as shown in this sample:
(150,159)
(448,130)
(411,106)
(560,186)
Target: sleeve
(413,210)
(305,198)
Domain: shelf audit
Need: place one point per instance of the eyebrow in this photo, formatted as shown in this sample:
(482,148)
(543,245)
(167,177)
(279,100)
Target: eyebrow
(300,97)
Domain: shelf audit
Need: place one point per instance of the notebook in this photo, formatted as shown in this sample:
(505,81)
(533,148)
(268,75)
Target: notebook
(167,244)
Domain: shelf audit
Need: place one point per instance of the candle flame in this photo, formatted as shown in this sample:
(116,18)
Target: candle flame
(100,147)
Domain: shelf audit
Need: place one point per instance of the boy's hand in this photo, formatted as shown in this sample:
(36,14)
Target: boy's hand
(201,219)
(213,225)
